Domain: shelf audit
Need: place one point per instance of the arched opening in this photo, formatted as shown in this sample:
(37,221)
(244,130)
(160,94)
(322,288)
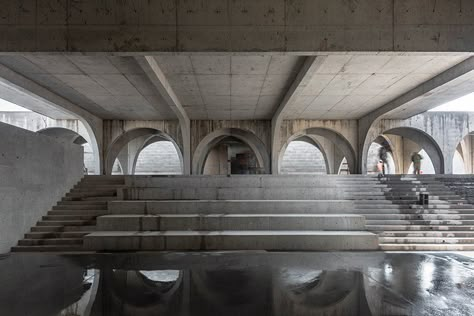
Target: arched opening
(381,150)
(127,148)
(343,167)
(67,135)
(117,168)
(159,157)
(304,156)
(242,151)
(401,143)
(231,156)
(463,159)
(334,147)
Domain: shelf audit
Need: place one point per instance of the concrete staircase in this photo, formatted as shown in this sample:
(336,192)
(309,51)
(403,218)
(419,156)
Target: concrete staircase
(64,227)
(445,224)
(234,213)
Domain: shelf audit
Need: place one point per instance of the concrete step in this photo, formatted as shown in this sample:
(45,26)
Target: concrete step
(394,227)
(45,235)
(426,217)
(231,206)
(79,203)
(426,240)
(420,222)
(78,212)
(431,234)
(69,217)
(90,199)
(60,228)
(50,241)
(381,211)
(228,222)
(427,247)
(80,207)
(66,223)
(230,240)
(89,194)
(48,248)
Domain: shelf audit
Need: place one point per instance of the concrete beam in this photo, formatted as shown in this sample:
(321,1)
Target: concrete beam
(266,25)
(309,68)
(45,98)
(160,82)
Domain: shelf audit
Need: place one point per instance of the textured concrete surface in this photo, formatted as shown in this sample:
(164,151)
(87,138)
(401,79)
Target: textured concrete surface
(35,172)
(230,240)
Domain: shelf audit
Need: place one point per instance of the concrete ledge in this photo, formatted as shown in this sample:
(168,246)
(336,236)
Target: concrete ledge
(249,193)
(228,240)
(231,206)
(230,222)
(245,181)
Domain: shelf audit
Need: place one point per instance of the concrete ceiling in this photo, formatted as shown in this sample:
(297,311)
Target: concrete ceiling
(225,87)
(350,86)
(238,86)
(109,87)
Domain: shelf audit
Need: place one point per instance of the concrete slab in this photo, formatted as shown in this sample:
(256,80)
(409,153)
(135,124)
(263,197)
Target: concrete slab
(228,240)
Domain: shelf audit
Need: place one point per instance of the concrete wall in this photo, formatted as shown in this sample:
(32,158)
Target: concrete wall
(35,172)
(158,158)
(276,25)
(303,157)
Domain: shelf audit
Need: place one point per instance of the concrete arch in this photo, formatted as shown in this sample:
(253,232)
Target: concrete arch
(206,144)
(151,140)
(425,141)
(117,145)
(336,138)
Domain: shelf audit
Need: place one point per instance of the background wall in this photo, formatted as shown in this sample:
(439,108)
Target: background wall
(35,172)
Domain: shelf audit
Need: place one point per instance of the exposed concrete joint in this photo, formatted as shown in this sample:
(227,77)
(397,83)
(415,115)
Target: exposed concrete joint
(160,82)
(309,68)
(22,85)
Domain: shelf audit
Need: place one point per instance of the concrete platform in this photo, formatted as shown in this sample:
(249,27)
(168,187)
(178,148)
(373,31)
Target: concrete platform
(230,206)
(230,222)
(230,240)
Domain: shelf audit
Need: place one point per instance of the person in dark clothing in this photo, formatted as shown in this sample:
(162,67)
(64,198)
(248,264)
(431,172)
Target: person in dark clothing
(383,158)
(416,159)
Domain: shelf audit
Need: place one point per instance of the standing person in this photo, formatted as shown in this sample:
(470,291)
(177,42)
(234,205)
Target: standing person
(383,158)
(416,159)
(380,169)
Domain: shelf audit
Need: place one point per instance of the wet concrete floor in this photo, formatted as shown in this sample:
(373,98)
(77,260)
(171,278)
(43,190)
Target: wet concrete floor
(237,283)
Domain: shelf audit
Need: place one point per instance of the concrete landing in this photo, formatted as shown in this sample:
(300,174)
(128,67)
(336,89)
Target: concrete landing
(231,240)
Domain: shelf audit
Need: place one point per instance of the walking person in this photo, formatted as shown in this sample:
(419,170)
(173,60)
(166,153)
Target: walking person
(383,158)
(416,158)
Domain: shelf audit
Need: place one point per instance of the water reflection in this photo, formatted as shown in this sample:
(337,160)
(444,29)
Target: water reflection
(265,284)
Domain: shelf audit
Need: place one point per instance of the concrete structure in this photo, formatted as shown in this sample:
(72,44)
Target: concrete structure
(36,171)
(231,85)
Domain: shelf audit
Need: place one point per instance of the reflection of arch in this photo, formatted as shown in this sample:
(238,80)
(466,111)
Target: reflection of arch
(63,134)
(337,139)
(313,141)
(425,141)
(151,140)
(212,139)
(121,141)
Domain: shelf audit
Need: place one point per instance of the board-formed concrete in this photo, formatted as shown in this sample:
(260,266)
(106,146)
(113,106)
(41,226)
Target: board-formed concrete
(35,171)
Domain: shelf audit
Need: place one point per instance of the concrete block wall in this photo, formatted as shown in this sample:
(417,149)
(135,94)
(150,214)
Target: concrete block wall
(35,172)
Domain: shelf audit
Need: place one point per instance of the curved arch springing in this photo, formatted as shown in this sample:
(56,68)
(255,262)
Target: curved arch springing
(120,142)
(212,139)
(339,141)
